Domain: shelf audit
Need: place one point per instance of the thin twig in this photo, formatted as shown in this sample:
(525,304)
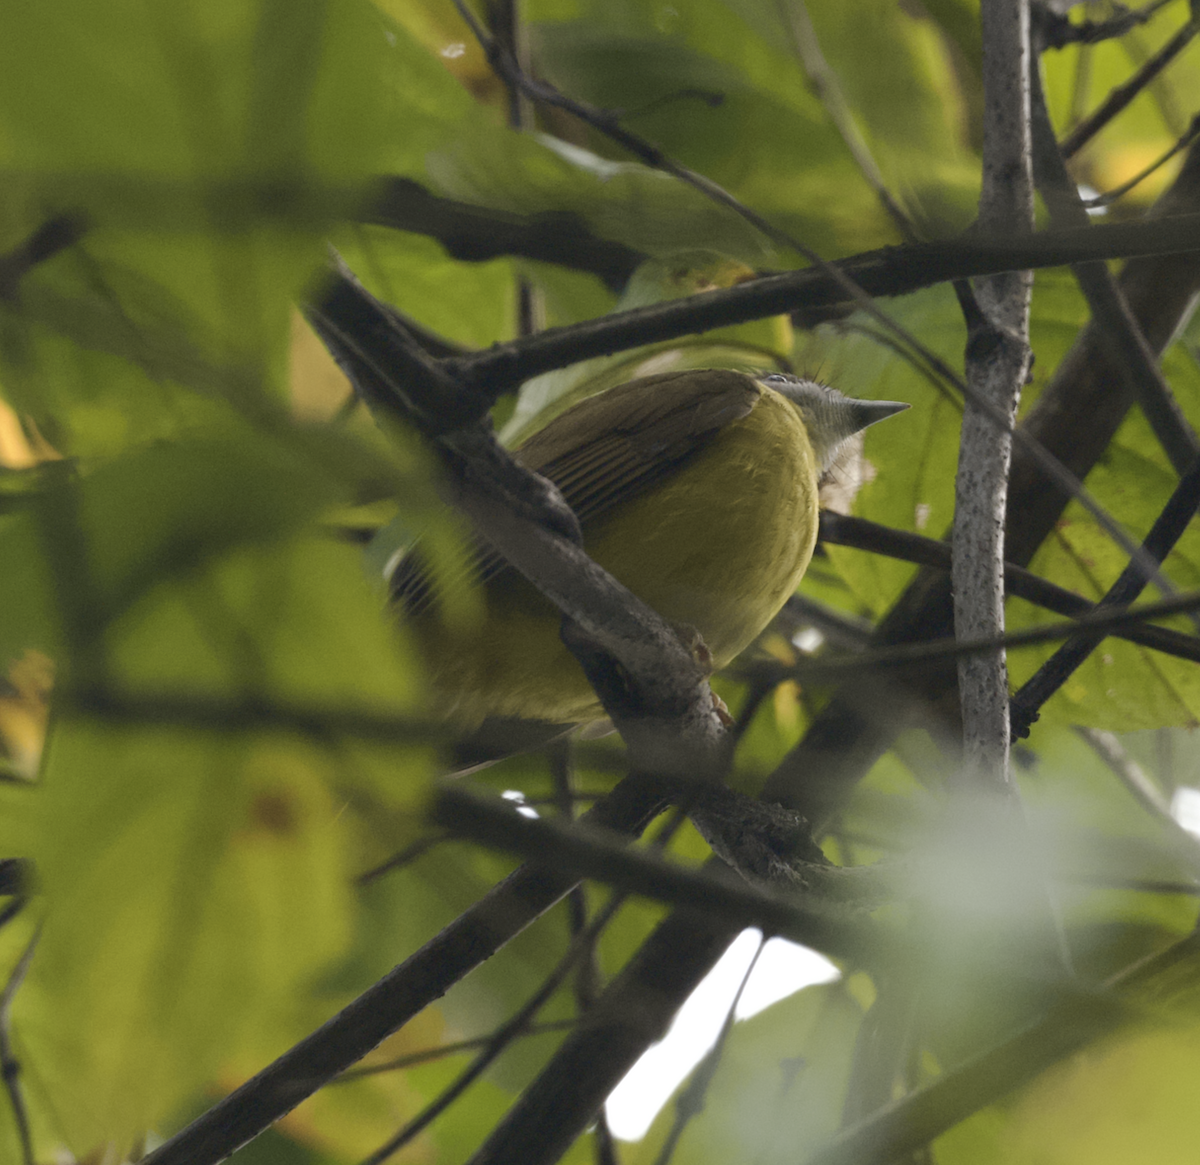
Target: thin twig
(404,857)
(502,1038)
(929,375)
(1166,531)
(1147,794)
(608,122)
(691,1101)
(846,530)
(1118,329)
(923,654)
(558,754)
(10,1066)
(508,30)
(825,84)
(1181,144)
(443,1050)
(1058,30)
(1122,95)
(1161,91)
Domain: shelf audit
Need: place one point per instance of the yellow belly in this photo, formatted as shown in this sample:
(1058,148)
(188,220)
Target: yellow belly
(718,546)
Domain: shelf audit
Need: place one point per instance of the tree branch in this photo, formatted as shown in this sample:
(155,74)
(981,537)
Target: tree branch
(424,977)
(887,272)
(588,853)
(846,530)
(1057,29)
(1122,95)
(1181,143)
(474,234)
(997,360)
(929,654)
(658,695)
(916,1119)
(823,81)
(1118,329)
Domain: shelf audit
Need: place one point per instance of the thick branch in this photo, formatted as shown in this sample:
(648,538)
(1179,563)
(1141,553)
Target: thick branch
(591,853)
(887,272)
(661,702)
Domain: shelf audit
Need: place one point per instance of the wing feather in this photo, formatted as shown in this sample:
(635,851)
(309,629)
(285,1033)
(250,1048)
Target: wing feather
(610,448)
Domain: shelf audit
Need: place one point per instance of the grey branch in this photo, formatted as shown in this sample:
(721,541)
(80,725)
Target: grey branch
(997,362)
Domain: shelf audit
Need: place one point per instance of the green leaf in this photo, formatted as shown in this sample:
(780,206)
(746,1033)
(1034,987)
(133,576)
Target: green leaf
(467,303)
(1120,686)
(91,548)
(625,201)
(207,151)
(193,885)
(1126,1100)
(297,622)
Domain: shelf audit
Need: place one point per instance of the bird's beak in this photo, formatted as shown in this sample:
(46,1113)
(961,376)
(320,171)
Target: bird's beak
(868,412)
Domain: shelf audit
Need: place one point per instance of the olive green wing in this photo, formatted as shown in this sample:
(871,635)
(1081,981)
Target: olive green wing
(613,447)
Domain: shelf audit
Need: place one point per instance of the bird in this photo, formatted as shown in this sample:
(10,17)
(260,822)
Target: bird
(696,489)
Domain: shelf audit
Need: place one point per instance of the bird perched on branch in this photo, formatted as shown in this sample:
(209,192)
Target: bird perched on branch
(697,490)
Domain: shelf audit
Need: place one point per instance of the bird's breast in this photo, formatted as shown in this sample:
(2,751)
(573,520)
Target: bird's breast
(721,544)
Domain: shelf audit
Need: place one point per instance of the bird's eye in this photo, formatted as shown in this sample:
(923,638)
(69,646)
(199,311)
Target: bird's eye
(777,378)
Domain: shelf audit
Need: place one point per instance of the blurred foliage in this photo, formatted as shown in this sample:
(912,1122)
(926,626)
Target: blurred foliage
(242,729)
